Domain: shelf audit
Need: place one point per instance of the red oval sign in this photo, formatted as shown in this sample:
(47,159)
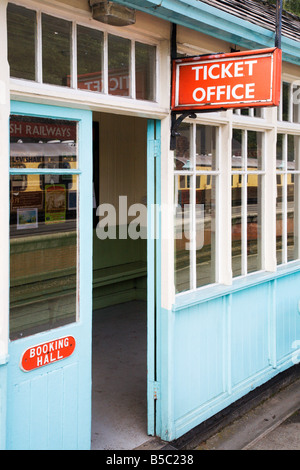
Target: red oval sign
(47,353)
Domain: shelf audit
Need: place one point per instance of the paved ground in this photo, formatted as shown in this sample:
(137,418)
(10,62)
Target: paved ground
(272,425)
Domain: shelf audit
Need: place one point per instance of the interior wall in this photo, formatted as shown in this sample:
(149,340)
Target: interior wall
(120,264)
(122,169)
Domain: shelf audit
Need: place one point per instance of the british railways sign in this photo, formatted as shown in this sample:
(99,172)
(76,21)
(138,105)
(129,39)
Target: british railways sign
(222,81)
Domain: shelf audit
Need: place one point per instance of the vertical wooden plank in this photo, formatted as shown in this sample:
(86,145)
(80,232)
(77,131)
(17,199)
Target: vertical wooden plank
(55,422)
(18,429)
(70,407)
(39,413)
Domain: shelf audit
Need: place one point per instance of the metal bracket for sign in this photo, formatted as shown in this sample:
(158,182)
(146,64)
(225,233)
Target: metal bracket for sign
(175,123)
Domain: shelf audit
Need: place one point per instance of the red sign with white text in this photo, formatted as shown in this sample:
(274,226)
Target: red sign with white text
(222,81)
(47,353)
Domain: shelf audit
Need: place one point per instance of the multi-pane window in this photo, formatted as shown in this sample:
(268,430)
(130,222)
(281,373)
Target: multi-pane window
(251,112)
(287,207)
(196,183)
(247,169)
(55,51)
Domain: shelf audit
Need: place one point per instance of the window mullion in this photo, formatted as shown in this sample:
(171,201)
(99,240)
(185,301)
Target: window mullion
(193,274)
(74,56)
(105,63)
(284,199)
(244,206)
(132,77)
(38,45)
(280,103)
(290,98)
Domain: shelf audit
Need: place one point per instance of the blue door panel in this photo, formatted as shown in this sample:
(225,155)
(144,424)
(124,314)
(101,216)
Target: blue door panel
(50,407)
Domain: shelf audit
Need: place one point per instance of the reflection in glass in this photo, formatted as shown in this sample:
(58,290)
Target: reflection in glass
(279,220)
(285,101)
(253,223)
(254,150)
(43,255)
(291,221)
(21,33)
(238,157)
(89,59)
(279,152)
(206,234)
(182,235)
(206,148)
(56,44)
(145,57)
(236,225)
(42,143)
(182,156)
(293,153)
(118,66)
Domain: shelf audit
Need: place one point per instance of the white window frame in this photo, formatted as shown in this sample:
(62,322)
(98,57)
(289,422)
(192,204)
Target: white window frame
(193,174)
(102,101)
(284,172)
(245,172)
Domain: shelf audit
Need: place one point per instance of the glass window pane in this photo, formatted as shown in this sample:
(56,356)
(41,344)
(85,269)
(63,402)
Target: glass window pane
(56,50)
(258,112)
(292,236)
(293,153)
(238,157)
(254,223)
(21,28)
(279,152)
(296,103)
(118,66)
(285,101)
(145,57)
(43,254)
(182,154)
(236,225)
(254,146)
(206,234)
(206,142)
(42,143)
(182,235)
(279,219)
(89,59)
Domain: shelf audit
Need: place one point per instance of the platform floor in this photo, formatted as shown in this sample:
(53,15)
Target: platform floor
(119,398)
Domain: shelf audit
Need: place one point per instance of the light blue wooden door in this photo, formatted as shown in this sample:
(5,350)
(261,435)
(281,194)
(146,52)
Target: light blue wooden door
(49,405)
(153,267)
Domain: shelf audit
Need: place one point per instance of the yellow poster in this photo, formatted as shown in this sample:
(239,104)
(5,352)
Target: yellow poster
(55,203)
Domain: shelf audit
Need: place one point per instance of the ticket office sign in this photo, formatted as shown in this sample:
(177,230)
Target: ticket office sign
(223,81)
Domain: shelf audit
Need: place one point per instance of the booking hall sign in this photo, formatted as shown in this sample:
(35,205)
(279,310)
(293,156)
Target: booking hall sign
(222,81)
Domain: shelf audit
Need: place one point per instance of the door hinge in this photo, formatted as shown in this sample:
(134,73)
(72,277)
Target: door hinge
(155,390)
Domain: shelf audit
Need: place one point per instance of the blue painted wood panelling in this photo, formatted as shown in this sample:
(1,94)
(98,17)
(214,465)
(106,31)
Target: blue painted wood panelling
(224,347)
(287,315)
(3,399)
(198,356)
(249,333)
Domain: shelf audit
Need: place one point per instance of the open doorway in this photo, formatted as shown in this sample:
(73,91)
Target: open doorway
(119,398)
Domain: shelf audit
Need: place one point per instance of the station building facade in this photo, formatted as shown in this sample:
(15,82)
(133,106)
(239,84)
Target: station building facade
(97,210)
